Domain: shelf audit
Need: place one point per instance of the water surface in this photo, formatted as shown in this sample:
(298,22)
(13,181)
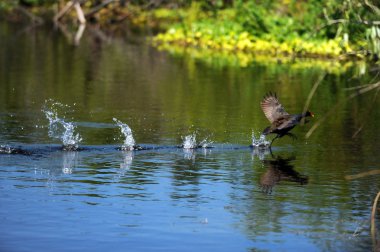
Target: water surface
(228,198)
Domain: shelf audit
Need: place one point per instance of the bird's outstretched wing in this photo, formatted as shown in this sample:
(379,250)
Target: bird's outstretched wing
(272,108)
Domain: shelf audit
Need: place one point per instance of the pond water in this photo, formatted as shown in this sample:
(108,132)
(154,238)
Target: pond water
(303,196)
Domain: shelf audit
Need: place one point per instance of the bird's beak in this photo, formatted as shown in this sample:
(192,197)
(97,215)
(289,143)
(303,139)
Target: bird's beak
(312,114)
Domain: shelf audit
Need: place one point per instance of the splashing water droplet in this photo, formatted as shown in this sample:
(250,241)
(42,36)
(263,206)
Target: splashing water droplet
(70,139)
(206,143)
(189,142)
(5,149)
(260,142)
(129,141)
(59,128)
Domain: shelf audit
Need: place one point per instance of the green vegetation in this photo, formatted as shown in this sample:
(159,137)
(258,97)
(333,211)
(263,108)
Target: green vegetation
(222,58)
(283,28)
(287,27)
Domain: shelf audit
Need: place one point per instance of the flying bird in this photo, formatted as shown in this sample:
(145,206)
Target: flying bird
(281,121)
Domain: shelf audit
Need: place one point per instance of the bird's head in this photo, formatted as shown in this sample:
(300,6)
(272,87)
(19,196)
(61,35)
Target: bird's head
(309,113)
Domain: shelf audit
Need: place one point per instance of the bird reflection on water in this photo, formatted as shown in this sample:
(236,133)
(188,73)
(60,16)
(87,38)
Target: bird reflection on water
(280,169)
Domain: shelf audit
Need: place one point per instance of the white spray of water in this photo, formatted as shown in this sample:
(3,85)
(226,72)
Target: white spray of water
(59,128)
(260,141)
(190,141)
(5,149)
(129,141)
(206,143)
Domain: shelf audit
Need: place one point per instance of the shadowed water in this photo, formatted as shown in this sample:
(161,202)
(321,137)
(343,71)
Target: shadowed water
(171,195)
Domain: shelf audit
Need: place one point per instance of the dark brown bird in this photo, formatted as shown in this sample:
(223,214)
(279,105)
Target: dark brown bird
(281,121)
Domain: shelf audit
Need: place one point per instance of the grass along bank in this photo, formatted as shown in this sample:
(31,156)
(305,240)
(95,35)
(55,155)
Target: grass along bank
(247,27)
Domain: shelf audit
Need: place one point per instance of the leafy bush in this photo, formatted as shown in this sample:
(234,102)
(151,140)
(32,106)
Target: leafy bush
(285,26)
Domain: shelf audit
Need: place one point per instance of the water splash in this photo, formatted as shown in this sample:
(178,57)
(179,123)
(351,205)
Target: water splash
(59,128)
(206,143)
(190,141)
(129,141)
(5,149)
(259,142)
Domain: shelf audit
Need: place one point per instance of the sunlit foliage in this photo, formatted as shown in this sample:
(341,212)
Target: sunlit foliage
(300,28)
(315,28)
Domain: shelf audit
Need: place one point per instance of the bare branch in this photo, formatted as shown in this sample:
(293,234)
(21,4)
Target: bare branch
(368,113)
(359,92)
(358,87)
(62,12)
(98,8)
(80,13)
(330,22)
(345,21)
(373,226)
(311,94)
(34,18)
(373,7)
(362,174)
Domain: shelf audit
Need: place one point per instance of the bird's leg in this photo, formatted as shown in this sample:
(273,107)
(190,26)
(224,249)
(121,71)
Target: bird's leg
(273,141)
(270,150)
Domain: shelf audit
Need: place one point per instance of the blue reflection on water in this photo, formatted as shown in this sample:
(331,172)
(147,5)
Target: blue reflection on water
(166,199)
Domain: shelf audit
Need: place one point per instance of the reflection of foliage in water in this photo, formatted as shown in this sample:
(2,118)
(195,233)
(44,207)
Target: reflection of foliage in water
(239,59)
